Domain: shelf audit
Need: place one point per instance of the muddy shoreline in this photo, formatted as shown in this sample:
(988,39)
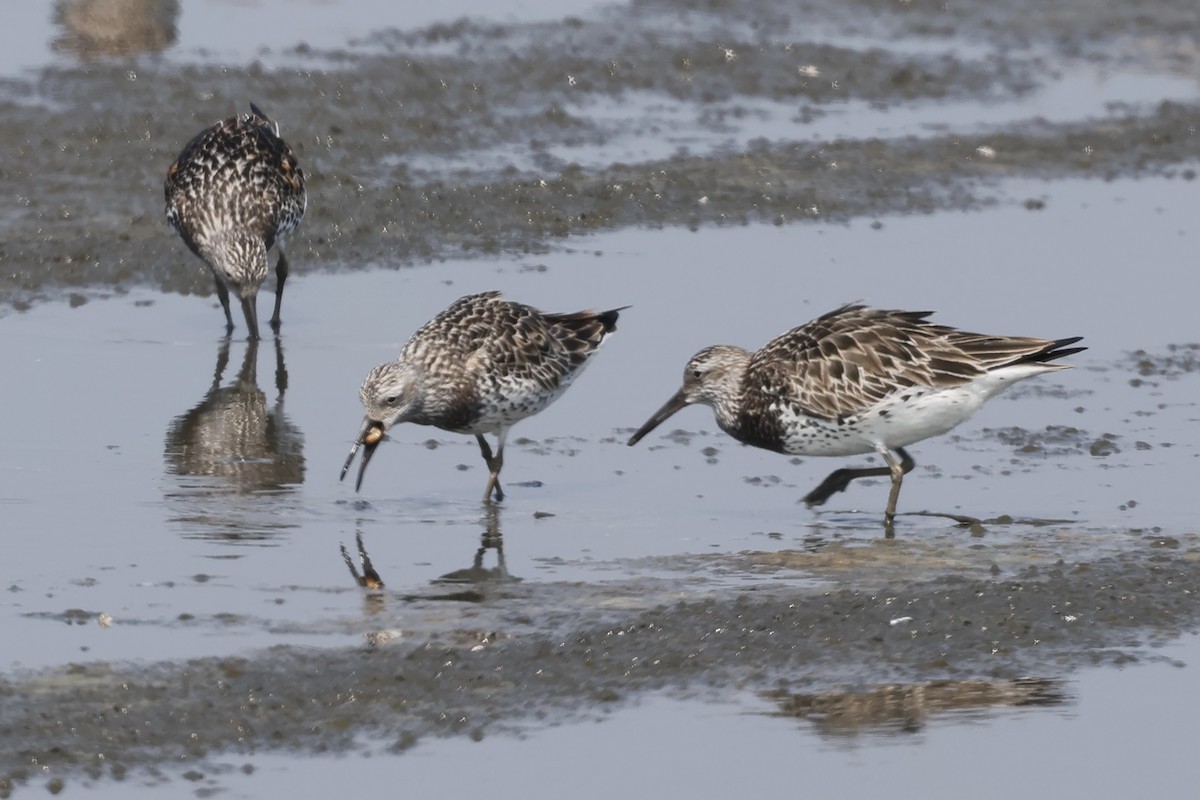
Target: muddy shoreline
(374,125)
(509,672)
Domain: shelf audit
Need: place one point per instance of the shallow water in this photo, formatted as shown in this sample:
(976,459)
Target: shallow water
(224,555)
(739,740)
(172,518)
(205,31)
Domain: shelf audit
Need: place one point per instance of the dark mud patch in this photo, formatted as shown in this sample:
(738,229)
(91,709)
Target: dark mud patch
(1054,441)
(510,140)
(884,614)
(1178,360)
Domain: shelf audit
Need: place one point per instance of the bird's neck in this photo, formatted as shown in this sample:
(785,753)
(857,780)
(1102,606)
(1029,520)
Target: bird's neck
(240,256)
(726,390)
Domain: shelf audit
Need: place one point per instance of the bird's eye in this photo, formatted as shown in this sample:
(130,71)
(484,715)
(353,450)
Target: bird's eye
(696,374)
(391,399)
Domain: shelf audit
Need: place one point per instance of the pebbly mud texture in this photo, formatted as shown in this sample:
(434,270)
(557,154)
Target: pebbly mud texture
(474,139)
(982,627)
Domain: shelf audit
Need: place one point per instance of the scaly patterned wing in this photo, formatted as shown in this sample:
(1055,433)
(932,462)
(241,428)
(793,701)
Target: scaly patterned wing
(206,187)
(540,354)
(462,329)
(847,361)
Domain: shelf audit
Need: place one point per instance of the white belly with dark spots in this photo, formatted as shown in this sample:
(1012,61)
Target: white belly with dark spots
(896,422)
(512,403)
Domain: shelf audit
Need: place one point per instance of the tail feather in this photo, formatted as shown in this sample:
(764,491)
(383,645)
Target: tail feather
(1053,351)
(589,325)
(258,112)
(582,332)
(609,318)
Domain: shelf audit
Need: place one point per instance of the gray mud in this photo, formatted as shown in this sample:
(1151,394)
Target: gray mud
(916,614)
(87,146)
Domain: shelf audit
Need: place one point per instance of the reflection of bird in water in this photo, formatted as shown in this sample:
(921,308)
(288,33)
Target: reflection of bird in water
(479,577)
(479,367)
(96,28)
(232,450)
(905,708)
(235,192)
(478,574)
(857,380)
(368,578)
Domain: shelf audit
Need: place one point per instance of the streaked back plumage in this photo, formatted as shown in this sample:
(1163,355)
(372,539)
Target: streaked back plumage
(487,362)
(235,191)
(852,358)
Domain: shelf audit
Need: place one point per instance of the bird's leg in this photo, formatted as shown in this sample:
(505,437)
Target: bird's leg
(839,479)
(250,310)
(494,465)
(281,273)
(486,451)
(223,296)
(897,471)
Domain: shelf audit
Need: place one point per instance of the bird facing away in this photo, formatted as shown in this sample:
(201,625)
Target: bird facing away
(478,367)
(857,380)
(235,191)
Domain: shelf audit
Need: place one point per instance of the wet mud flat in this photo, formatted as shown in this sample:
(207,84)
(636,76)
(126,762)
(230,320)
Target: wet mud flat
(892,621)
(490,139)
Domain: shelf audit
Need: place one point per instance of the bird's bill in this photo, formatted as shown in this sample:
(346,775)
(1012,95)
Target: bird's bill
(677,401)
(368,439)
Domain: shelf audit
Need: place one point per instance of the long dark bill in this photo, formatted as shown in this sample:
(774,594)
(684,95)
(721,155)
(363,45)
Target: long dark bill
(676,402)
(368,439)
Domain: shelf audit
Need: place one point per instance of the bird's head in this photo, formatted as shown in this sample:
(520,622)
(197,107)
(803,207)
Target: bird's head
(390,394)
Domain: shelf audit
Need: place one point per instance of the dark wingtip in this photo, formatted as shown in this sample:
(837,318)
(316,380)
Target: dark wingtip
(1059,349)
(589,327)
(609,318)
(254,108)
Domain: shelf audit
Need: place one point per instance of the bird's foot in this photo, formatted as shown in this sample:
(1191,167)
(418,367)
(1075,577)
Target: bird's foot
(837,481)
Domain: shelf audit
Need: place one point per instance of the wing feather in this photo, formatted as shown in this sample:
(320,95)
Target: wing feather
(849,360)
